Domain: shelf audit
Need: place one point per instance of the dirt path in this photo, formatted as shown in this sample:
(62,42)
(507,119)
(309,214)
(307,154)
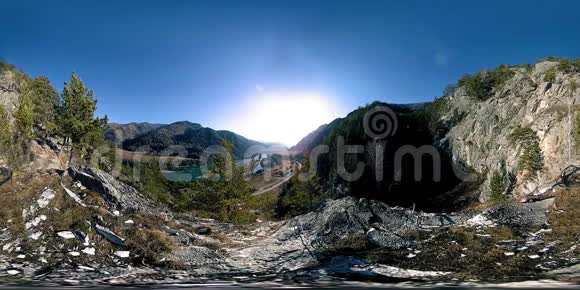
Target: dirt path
(277,184)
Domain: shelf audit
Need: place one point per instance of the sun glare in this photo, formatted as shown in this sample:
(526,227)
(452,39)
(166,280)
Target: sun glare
(286,118)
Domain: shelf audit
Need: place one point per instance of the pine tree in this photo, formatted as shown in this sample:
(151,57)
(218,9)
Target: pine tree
(44,99)
(75,116)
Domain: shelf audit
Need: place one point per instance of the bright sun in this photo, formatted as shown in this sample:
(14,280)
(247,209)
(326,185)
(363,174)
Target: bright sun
(285,118)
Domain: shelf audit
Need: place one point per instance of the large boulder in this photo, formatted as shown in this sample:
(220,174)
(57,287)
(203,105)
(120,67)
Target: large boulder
(116,193)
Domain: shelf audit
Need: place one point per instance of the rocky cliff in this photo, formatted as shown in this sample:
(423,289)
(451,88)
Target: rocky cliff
(482,140)
(9,91)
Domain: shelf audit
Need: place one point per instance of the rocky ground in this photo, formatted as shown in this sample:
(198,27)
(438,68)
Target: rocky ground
(83,227)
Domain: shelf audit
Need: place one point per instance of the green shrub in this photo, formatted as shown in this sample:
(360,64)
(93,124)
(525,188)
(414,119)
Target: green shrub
(449,90)
(44,98)
(149,246)
(569,65)
(550,75)
(577,135)
(548,58)
(497,186)
(5,132)
(4,66)
(531,158)
(481,84)
(300,196)
(477,86)
(153,183)
(500,75)
(572,86)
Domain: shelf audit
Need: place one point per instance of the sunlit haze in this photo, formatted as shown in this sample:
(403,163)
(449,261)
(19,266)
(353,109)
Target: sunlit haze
(284,118)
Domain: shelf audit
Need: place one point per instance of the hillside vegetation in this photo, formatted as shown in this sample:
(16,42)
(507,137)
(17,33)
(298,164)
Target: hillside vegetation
(510,130)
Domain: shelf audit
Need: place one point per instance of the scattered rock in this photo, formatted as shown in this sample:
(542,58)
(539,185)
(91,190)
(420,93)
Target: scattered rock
(116,193)
(74,196)
(35,236)
(89,251)
(13,272)
(66,235)
(109,235)
(203,230)
(83,237)
(122,254)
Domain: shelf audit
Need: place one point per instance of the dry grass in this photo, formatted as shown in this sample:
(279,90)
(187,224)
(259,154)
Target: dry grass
(461,251)
(565,220)
(149,245)
(14,196)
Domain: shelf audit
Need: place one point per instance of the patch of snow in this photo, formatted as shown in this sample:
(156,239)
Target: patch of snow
(480,220)
(13,272)
(509,253)
(89,251)
(404,273)
(21,256)
(45,198)
(129,222)
(66,235)
(116,213)
(533,257)
(74,254)
(36,236)
(7,247)
(35,222)
(122,254)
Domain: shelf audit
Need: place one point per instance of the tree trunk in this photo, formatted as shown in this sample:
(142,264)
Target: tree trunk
(70,158)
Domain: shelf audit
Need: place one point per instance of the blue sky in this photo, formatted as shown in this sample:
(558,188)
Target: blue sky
(209,61)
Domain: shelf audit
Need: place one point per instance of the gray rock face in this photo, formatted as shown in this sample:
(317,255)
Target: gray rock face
(116,193)
(302,241)
(481,138)
(9,92)
(521,214)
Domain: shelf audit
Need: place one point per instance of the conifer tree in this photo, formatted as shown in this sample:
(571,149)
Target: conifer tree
(75,116)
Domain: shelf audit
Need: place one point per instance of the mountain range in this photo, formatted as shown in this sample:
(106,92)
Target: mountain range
(182,138)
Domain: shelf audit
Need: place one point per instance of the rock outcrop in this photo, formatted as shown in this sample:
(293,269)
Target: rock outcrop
(481,139)
(9,92)
(116,193)
(303,240)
